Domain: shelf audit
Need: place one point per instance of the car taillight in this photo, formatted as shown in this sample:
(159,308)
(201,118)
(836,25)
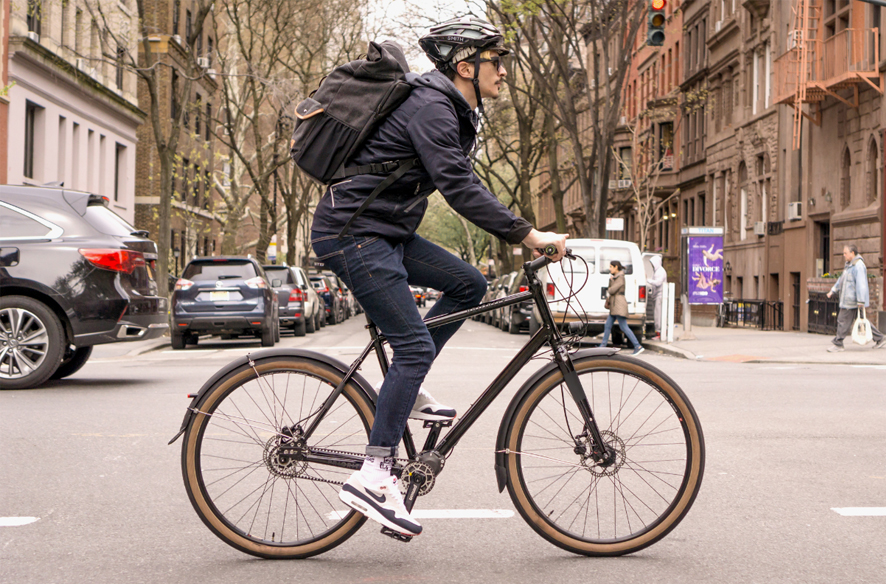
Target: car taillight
(296,296)
(183,284)
(524,288)
(257,282)
(550,290)
(642,293)
(116,260)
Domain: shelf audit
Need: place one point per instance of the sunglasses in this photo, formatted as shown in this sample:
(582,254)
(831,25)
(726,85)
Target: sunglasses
(497,60)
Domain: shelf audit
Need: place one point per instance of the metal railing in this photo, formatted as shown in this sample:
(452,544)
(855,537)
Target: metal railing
(762,314)
(823,313)
(853,50)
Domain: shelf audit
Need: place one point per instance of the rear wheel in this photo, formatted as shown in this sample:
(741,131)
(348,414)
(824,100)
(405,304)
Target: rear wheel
(245,465)
(299,329)
(277,332)
(267,336)
(178,340)
(32,342)
(310,324)
(73,361)
(605,509)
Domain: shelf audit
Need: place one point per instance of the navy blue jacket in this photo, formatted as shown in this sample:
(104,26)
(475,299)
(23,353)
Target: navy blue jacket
(436,125)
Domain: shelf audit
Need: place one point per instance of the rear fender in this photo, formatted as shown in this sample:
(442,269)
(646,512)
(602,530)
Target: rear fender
(258,356)
(502,440)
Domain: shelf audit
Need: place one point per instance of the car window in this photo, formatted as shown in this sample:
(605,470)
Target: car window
(622,254)
(220,270)
(568,270)
(300,277)
(282,274)
(20,224)
(106,221)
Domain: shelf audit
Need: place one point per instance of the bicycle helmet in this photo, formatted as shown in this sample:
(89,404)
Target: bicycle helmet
(456,40)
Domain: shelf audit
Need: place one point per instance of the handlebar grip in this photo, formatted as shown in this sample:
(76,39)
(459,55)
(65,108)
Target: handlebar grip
(549,250)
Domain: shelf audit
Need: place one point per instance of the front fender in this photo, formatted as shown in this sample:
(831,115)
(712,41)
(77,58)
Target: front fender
(502,440)
(262,355)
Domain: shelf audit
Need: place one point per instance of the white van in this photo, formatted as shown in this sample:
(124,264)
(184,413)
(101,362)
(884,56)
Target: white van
(588,303)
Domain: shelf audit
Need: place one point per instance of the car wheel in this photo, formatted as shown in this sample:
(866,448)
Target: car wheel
(72,362)
(31,342)
(267,336)
(300,329)
(513,327)
(192,339)
(310,324)
(277,332)
(178,340)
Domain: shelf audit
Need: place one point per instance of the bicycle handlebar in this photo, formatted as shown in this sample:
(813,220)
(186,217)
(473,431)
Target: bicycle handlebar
(539,263)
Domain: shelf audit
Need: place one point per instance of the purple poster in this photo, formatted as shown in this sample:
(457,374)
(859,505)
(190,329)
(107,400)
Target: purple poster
(705,270)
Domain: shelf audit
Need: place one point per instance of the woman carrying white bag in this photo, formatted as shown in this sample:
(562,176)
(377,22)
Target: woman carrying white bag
(854,298)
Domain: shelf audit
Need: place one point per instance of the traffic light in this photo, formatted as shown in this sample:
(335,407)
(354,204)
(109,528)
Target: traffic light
(656,32)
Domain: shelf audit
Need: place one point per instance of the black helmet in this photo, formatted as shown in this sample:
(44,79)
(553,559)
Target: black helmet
(455,40)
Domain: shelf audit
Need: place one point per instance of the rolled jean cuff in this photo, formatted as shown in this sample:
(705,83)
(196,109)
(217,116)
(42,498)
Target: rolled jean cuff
(382,451)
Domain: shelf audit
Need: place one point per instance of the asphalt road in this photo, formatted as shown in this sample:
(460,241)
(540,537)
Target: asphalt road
(88,457)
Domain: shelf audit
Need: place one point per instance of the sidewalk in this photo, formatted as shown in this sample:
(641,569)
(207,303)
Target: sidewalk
(744,345)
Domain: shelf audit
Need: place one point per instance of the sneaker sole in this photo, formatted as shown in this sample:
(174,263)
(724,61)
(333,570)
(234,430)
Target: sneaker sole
(416,415)
(354,499)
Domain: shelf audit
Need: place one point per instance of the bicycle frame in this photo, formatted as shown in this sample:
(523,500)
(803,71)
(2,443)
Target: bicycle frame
(548,332)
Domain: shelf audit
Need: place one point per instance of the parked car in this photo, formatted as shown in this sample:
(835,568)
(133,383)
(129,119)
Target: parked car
(590,281)
(326,288)
(73,274)
(344,295)
(516,316)
(486,317)
(299,305)
(504,286)
(226,296)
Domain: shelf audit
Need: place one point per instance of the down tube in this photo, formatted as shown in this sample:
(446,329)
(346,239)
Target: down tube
(498,384)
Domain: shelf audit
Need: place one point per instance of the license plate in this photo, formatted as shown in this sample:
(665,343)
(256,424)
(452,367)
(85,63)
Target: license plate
(215,296)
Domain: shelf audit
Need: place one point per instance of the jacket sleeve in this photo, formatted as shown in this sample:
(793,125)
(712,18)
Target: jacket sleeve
(617,286)
(435,135)
(659,277)
(839,281)
(862,294)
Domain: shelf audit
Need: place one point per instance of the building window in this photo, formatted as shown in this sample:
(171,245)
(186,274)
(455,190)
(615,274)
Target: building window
(119,170)
(197,115)
(209,49)
(121,55)
(195,186)
(846,179)
(188,26)
(176,10)
(34,16)
(743,201)
(32,125)
(174,95)
(873,173)
(208,121)
(207,186)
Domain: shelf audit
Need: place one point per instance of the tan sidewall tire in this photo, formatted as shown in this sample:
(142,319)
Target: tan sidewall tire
(537,522)
(192,483)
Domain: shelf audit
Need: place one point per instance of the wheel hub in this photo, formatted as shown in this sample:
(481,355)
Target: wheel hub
(615,456)
(284,454)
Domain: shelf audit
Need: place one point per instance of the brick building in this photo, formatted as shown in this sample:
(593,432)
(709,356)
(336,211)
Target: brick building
(193,224)
(4,80)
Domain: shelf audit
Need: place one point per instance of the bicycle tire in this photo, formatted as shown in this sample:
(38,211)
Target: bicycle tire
(231,460)
(629,505)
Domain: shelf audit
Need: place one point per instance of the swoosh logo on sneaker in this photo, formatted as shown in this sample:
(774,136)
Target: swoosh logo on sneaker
(379,499)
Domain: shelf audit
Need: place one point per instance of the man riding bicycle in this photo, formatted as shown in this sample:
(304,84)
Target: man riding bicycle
(381,255)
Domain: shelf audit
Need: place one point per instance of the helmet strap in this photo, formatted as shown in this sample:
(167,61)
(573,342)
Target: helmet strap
(476,81)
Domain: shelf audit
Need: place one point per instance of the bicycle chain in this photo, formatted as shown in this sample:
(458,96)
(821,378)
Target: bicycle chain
(403,462)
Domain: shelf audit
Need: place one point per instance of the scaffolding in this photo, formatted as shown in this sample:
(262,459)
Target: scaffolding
(821,61)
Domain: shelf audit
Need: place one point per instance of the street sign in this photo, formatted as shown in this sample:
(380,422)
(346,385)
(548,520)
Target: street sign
(702,231)
(615,224)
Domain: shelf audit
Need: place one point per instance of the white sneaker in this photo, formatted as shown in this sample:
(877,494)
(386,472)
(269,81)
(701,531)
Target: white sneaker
(382,503)
(427,408)
(835,349)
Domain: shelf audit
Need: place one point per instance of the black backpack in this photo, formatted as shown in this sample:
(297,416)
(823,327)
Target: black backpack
(339,116)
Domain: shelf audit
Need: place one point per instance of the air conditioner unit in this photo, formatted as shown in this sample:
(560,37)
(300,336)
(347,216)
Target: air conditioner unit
(795,37)
(610,71)
(33,36)
(593,84)
(83,64)
(624,183)
(177,38)
(211,73)
(613,184)
(760,228)
(718,25)
(795,211)
(203,62)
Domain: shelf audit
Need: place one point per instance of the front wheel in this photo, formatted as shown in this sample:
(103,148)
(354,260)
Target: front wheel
(73,361)
(652,475)
(246,462)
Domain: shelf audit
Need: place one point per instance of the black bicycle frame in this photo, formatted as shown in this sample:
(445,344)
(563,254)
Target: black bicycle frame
(548,332)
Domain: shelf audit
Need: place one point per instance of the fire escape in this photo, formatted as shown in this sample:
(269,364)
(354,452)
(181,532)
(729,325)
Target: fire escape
(825,56)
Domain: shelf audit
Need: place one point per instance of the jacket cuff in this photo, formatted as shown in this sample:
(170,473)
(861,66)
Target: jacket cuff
(519,231)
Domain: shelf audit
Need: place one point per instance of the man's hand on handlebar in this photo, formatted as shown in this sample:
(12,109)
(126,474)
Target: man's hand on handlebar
(537,241)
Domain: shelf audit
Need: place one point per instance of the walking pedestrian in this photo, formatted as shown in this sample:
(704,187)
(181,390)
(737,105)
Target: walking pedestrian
(618,306)
(657,283)
(854,295)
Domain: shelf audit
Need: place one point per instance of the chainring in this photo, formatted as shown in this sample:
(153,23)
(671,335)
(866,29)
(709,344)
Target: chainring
(415,468)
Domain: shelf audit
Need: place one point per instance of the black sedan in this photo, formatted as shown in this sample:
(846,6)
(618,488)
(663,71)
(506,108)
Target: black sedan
(73,274)
(223,295)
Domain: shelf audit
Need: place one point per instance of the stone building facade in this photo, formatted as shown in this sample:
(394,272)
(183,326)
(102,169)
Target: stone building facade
(194,226)
(72,112)
(4,80)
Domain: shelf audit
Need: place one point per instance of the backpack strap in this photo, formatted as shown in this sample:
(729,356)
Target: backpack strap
(402,168)
(374,168)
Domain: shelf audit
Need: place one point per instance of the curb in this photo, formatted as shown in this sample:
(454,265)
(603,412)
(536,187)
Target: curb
(670,350)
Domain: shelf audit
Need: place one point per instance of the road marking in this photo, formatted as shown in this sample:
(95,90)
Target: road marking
(860,511)
(445,514)
(17,521)
(870,366)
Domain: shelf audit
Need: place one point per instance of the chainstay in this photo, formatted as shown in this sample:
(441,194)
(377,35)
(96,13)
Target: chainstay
(402,461)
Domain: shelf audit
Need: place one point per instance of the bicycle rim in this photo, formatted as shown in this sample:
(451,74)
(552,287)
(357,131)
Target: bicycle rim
(582,506)
(250,491)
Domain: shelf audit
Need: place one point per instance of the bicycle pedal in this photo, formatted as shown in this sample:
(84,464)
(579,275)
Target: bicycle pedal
(396,535)
(437,423)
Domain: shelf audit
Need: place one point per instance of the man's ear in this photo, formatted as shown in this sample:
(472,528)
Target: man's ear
(465,69)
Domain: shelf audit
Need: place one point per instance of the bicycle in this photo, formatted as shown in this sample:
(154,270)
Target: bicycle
(603,455)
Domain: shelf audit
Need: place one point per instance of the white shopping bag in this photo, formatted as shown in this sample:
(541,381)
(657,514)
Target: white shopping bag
(861,329)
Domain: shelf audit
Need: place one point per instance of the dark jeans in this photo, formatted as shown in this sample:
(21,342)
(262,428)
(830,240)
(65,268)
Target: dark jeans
(845,319)
(623,325)
(379,273)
